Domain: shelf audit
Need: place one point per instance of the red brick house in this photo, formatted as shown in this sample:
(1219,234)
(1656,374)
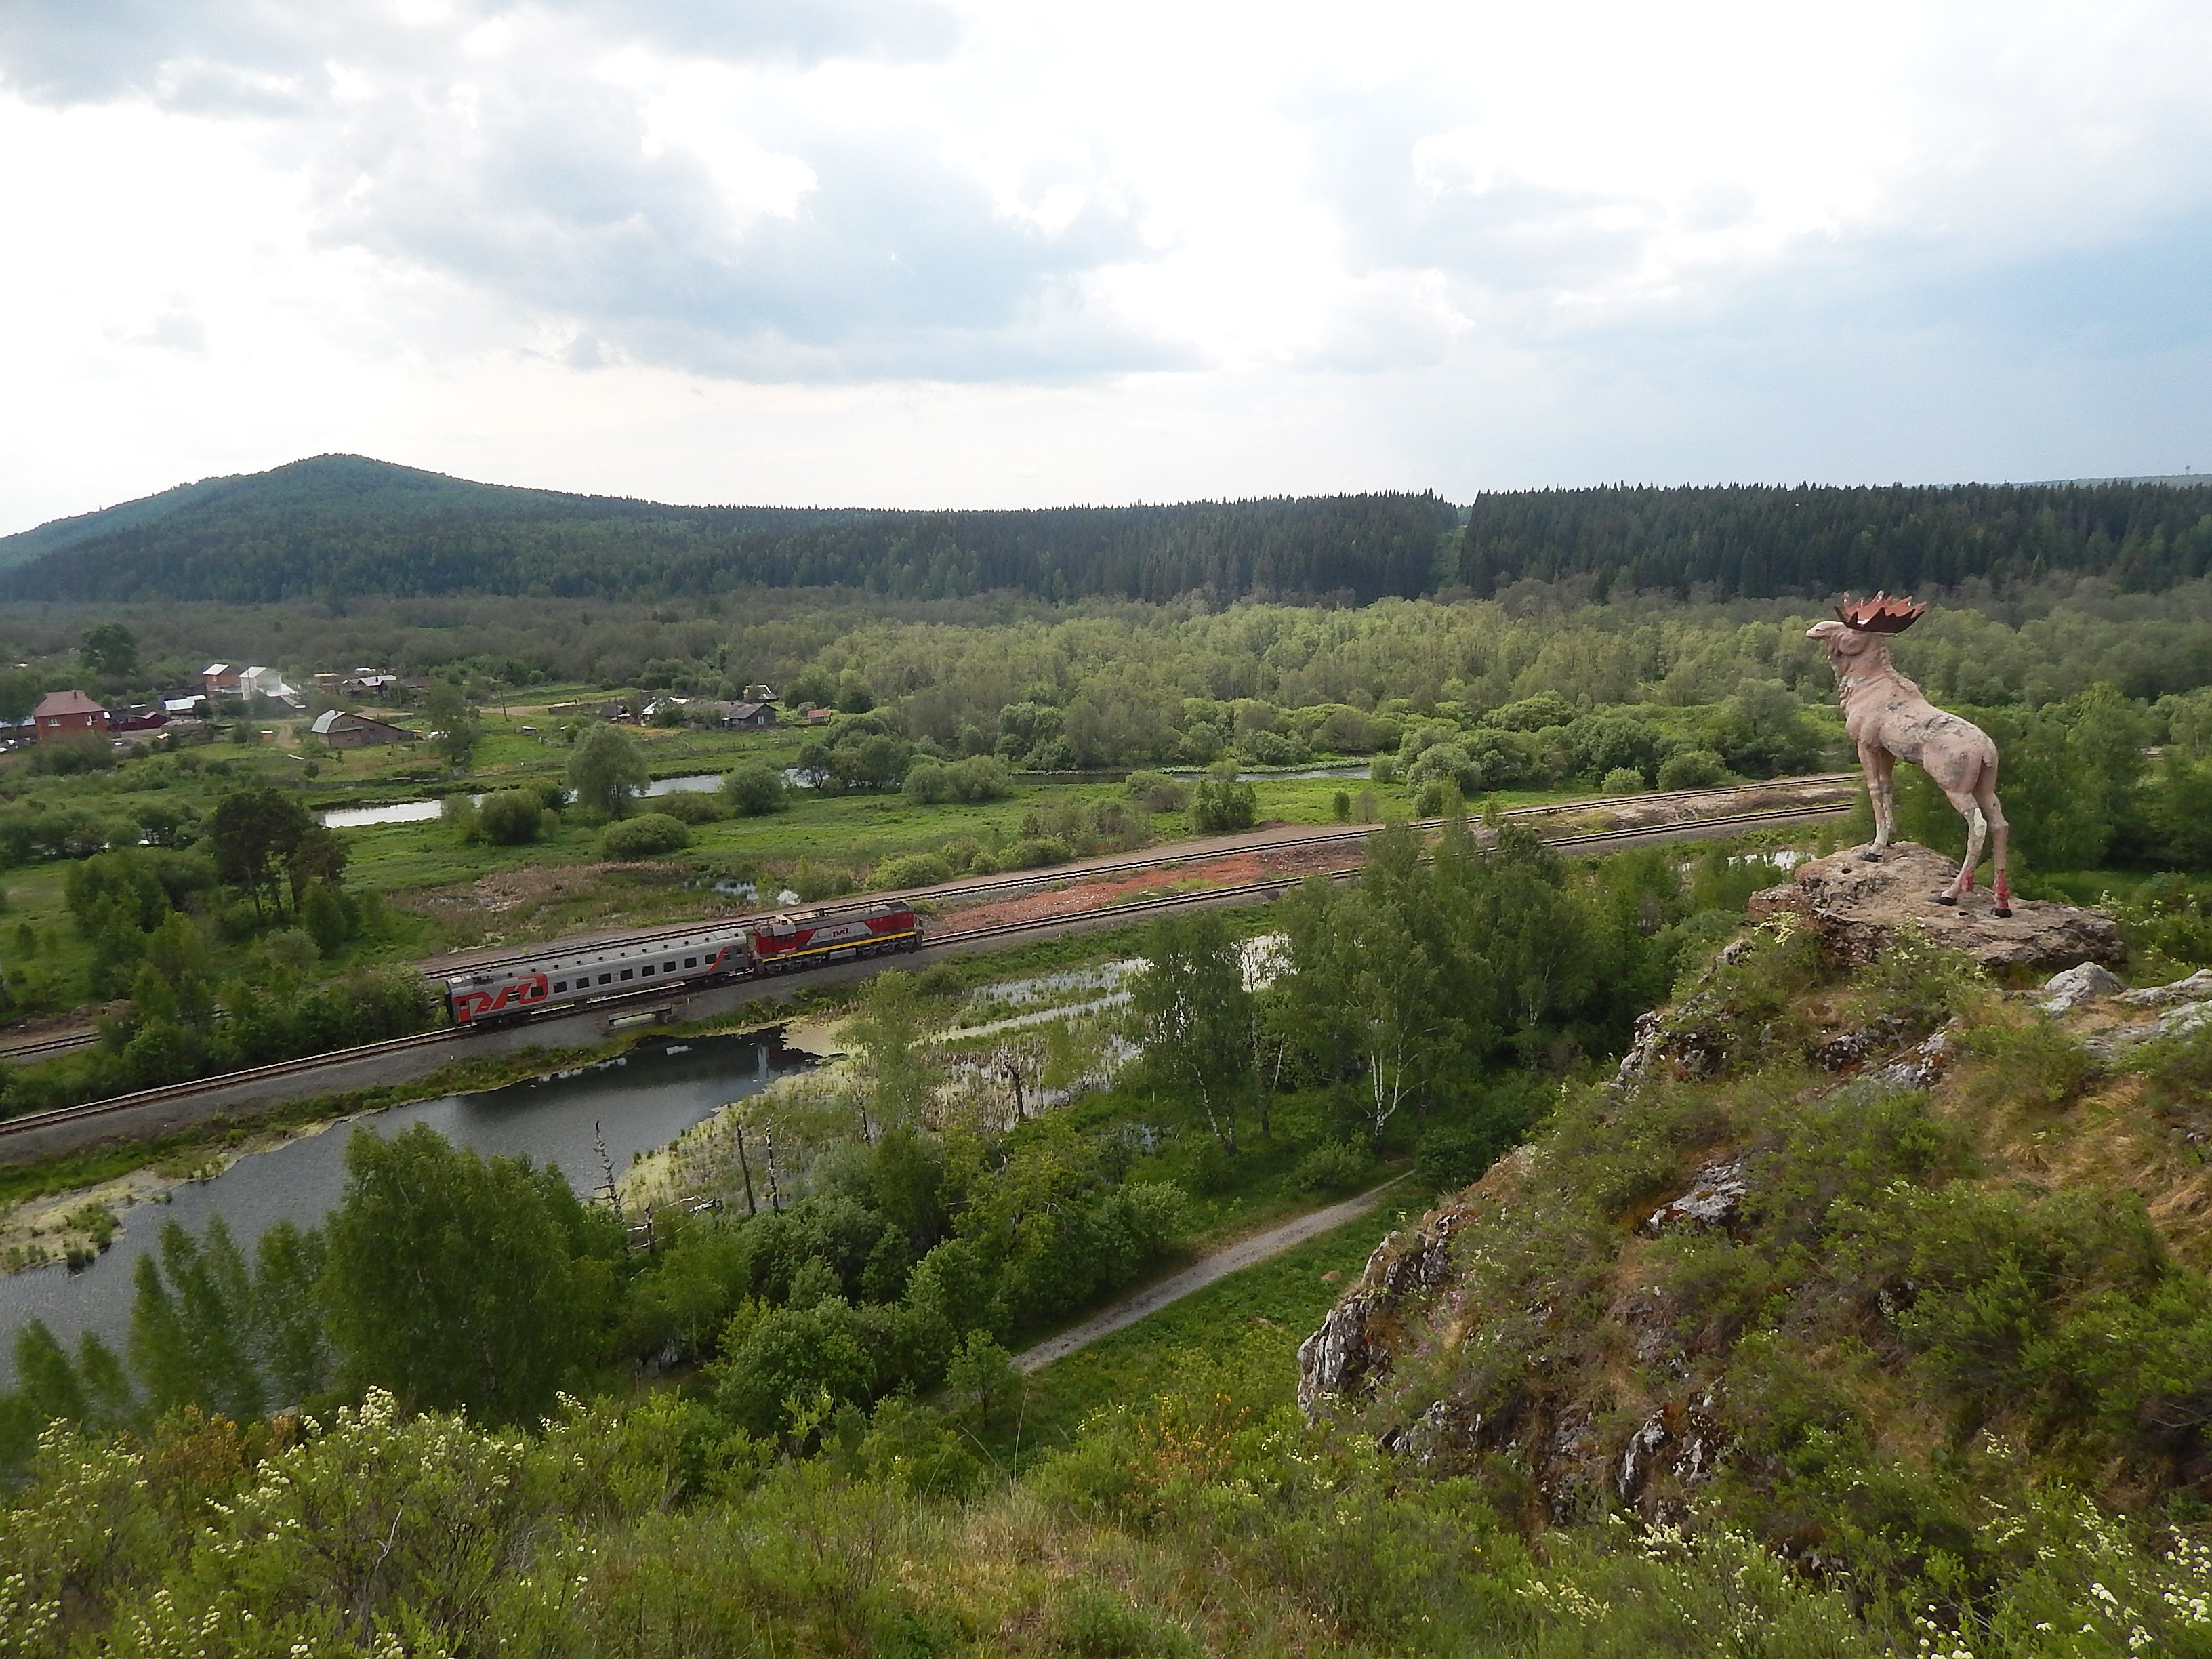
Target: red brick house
(61,713)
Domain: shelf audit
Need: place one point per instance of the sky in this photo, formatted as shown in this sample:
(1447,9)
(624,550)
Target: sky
(1003,253)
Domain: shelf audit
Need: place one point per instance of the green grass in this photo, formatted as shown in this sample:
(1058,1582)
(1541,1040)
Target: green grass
(1277,1303)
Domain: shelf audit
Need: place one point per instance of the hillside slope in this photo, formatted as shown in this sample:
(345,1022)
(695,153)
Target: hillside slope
(1855,1261)
(337,527)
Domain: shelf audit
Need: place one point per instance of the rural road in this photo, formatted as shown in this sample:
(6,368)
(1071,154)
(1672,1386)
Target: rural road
(1230,1259)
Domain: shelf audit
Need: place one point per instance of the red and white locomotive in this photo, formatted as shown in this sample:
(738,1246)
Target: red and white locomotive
(773,945)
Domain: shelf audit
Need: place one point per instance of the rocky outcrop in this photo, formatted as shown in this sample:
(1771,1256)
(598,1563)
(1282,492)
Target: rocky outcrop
(1715,1198)
(1352,1350)
(1855,906)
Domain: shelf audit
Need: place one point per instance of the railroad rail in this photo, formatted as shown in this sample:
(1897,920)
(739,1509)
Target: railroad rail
(1030,881)
(1245,892)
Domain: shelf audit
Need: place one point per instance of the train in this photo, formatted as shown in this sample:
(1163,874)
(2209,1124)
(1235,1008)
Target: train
(780,944)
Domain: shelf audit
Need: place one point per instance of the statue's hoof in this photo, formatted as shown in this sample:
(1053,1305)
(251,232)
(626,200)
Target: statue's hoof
(1943,898)
(1869,857)
(2003,910)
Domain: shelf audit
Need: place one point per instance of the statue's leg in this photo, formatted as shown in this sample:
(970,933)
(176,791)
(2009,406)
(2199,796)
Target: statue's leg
(1985,797)
(1876,763)
(1964,881)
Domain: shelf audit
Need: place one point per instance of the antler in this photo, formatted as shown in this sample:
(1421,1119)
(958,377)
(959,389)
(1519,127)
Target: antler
(1878,615)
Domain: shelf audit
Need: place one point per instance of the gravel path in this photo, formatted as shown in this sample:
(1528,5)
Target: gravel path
(1228,1259)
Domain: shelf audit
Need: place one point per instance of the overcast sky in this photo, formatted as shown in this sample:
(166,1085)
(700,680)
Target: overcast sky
(869,251)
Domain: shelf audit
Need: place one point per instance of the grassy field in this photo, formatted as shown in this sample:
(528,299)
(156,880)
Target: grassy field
(1267,1311)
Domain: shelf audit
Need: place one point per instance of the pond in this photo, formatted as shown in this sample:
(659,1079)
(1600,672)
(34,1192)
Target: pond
(420,811)
(637,1103)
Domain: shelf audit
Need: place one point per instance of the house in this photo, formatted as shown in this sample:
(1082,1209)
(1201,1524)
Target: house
(260,682)
(220,679)
(820,716)
(759,694)
(61,713)
(185,705)
(340,730)
(750,717)
(370,682)
(139,717)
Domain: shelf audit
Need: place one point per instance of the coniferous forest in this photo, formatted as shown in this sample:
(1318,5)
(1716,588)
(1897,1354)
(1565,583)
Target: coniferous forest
(339,527)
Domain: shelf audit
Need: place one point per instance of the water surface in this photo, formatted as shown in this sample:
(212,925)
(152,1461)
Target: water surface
(637,1103)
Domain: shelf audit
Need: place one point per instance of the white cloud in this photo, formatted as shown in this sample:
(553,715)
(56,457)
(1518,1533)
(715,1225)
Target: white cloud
(1000,253)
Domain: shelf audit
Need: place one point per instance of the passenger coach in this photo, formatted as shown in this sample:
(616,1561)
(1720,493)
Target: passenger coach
(774,945)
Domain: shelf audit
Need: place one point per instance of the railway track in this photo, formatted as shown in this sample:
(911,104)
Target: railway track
(1012,886)
(1245,892)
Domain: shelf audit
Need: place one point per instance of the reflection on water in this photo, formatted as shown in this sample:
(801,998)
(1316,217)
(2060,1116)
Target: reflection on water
(420,811)
(639,1102)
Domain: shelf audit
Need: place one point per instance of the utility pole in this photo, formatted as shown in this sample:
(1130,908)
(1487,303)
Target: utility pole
(775,1190)
(752,1209)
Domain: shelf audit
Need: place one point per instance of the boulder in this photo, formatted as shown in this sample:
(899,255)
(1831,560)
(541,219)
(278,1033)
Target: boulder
(2086,983)
(1855,906)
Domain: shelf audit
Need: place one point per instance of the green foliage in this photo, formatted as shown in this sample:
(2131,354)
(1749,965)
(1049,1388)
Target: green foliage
(1222,805)
(1332,1168)
(646,836)
(1195,1017)
(754,789)
(911,870)
(1154,792)
(1692,769)
(605,770)
(257,835)
(109,650)
(509,817)
(455,731)
(459,1281)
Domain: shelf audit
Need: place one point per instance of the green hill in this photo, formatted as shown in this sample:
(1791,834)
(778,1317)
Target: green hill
(343,525)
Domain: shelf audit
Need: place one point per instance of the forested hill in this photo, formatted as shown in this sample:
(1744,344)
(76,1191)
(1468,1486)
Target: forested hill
(1757,542)
(340,525)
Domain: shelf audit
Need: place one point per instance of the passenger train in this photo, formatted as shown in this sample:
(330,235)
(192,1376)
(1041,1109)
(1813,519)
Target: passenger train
(771,945)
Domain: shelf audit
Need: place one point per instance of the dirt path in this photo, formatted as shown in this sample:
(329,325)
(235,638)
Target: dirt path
(1233,1258)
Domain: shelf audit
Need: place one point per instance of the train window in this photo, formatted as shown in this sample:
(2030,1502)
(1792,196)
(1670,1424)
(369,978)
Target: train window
(626,974)
(560,985)
(690,961)
(647,970)
(667,967)
(605,978)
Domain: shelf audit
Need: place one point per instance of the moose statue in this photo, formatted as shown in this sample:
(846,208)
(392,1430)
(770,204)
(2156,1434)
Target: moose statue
(1889,721)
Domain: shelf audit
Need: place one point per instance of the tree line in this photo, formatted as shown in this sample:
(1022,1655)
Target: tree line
(1757,541)
(339,527)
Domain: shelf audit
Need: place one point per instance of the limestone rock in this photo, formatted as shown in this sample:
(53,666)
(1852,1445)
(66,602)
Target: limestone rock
(1855,906)
(1715,1198)
(2077,986)
(1352,1348)
(2196,988)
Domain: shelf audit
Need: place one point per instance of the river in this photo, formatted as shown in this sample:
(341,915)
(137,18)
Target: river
(638,1103)
(420,811)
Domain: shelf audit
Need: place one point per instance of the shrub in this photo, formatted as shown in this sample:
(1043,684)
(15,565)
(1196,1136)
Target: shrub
(644,836)
(928,782)
(1336,1167)
(459,814)
(1220,805)
(980,778)
(1691,769)
(1035,853)
(690,806)
(1154,792)
(912,870)
(511,817)
(1622,780)
(754,789)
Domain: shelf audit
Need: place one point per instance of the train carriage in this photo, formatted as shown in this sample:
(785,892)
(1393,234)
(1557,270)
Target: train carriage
(512,989)
(774,945)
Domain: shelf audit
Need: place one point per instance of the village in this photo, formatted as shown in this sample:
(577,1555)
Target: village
(338,721)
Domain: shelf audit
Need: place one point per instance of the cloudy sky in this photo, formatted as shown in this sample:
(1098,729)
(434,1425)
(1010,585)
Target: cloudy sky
(1007,252)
